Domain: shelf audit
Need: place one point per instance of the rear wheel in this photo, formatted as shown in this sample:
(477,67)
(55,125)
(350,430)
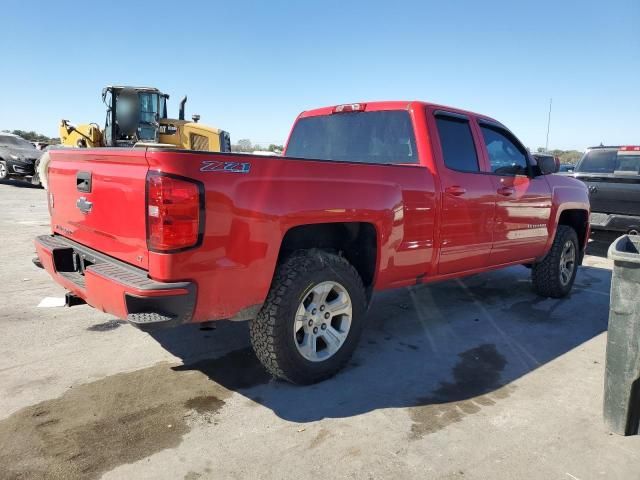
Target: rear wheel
(554,276)
(313,317)
(4,173)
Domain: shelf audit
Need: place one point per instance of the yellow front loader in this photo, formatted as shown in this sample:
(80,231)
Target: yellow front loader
(138,115)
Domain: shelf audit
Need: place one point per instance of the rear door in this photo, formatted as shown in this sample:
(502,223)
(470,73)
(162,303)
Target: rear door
(613,178)
(97,198)
(523,202)
(468,199)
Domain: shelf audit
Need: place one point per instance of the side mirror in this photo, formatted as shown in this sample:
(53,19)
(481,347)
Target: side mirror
(548,165)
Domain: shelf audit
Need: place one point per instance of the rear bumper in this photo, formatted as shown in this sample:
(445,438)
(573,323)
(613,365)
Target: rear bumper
(614,222)
(116,287)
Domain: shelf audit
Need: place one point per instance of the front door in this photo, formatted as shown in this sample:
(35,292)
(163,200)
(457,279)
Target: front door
(468,197)
(523,202)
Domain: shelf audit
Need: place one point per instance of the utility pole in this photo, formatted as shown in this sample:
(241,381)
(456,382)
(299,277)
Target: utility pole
(546,145)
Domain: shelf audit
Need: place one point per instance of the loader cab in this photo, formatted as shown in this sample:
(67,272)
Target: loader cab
(133,115)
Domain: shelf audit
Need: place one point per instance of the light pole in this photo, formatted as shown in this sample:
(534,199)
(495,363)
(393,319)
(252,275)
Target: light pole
(546,145)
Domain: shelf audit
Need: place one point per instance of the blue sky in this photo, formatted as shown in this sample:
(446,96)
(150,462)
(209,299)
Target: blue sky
(251,67)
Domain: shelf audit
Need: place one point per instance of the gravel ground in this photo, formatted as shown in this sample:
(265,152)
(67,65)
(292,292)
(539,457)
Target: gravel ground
(475,378)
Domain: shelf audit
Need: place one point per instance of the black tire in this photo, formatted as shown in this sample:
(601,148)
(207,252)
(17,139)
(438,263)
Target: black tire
(4,171)
(547,275)
(272,332)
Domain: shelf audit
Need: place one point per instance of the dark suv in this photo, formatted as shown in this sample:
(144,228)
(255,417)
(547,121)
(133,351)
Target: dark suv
(612,175)
(18,158)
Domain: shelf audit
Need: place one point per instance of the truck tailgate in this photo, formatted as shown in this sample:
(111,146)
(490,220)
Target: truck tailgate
(97,198)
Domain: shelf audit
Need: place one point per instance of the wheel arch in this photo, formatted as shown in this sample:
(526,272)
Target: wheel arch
(578,219)
(356,241)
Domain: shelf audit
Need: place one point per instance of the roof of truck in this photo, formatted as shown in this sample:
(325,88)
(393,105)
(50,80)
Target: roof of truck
(392,105)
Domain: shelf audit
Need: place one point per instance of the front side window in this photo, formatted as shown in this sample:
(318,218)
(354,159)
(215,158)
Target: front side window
(456,140)
(369,137)
(506,156)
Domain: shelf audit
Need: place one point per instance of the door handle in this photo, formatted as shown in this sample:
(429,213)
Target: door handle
(455,190)
(505,191)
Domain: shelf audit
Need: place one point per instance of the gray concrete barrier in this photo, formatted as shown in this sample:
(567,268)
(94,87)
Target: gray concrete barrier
(622,373)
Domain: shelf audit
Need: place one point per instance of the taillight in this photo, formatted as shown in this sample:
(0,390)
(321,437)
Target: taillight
(175,217)
(630,148)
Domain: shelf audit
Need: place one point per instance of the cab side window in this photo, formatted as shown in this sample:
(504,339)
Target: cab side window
(458,149)
(506,156)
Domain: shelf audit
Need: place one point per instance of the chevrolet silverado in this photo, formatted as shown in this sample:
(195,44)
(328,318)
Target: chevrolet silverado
(368,196)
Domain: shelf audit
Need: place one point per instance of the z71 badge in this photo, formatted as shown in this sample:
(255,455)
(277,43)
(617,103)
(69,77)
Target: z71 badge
(232,167)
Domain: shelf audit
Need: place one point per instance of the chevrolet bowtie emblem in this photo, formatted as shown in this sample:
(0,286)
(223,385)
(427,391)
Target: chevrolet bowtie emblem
(84,205)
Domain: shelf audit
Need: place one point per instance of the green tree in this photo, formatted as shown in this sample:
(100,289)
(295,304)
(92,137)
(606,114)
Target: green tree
(243,145)
(33,136)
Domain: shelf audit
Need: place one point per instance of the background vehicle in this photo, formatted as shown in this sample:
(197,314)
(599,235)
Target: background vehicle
(139,114)
(367,197)
(566,168)
(612,175)
(18,158)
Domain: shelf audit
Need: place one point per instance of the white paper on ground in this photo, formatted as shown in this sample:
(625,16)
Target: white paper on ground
(48,302)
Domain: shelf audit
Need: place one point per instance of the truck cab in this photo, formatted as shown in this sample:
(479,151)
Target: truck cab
(612,175)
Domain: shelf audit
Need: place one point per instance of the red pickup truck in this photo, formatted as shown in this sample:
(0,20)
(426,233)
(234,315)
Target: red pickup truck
(367,197)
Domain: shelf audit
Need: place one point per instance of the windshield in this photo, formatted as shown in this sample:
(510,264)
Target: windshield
(370,137)
(149,104)
(610,161)
(12,141)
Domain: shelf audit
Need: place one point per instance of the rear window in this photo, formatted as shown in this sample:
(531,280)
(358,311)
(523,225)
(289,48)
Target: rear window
(368,137)
(609,161)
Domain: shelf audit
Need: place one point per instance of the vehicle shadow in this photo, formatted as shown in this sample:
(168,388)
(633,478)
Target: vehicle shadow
(20,184)
(455,345)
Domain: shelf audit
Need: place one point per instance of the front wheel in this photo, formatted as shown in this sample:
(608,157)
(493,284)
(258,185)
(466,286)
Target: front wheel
(313,317)
(554,276)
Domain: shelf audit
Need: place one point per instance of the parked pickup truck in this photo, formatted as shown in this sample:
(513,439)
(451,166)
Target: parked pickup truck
(366,197)
(612,175)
